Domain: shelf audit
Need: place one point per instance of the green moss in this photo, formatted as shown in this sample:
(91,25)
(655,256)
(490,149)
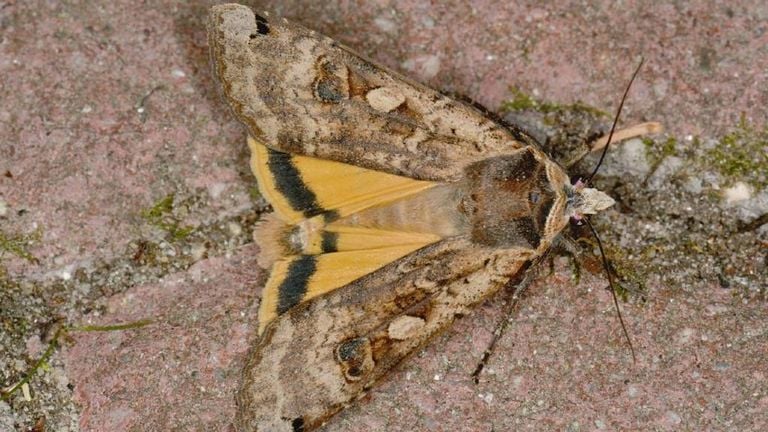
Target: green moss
(655,152)
(159,209)
(649,143)
(669,147)
(161,216)
(521,101)
(742,155)
(696,142)
(628,280)
(176,232)
(17,244)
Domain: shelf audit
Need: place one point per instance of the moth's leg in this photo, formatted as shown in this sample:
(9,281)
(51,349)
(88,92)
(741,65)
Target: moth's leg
(575,250)
(570,247)
(579,250)
(514,290)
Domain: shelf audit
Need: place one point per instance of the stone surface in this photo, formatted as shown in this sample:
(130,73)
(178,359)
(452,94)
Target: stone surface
(179,372)
(126,195)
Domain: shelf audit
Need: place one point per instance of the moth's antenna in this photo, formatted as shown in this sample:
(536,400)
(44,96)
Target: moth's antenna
(613,288)
(615,121)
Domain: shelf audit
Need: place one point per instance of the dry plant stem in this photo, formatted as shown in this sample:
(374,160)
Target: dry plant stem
(627,133)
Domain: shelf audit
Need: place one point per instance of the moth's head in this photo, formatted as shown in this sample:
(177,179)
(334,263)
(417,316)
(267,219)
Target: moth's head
(583,200)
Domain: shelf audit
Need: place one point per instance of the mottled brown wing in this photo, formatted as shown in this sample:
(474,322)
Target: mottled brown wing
(300,92)
(323,354)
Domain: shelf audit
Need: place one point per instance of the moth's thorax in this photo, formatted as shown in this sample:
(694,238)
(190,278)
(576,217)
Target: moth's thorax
(516,200)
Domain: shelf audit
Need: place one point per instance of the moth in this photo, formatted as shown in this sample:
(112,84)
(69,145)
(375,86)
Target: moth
(396,210)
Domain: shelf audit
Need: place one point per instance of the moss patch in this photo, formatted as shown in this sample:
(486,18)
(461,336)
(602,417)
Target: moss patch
(742,155)
(521,101)
(17,244)
(656,152)
(159,209)
(161,215)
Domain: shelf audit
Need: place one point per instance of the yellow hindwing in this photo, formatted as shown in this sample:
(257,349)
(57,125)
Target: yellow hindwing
(299,187)
(316,251)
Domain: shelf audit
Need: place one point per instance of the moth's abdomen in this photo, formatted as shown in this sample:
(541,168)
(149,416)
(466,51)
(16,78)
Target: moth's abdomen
(435,211)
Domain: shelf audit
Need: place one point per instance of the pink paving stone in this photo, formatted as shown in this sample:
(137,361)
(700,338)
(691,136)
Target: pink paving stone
(85,162)
(180,372)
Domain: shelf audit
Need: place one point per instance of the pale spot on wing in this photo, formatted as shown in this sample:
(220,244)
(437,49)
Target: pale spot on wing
(384,99)
(404,327)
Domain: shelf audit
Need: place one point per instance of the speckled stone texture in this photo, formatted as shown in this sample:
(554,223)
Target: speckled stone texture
(107,108)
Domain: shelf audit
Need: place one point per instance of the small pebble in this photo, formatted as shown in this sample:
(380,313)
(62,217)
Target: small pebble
(740,191)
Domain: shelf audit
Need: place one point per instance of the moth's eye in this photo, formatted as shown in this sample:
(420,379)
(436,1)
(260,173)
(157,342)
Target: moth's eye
(534,197)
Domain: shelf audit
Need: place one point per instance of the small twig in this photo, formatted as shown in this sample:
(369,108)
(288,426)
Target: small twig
(114,327)
(53,344)
(630,132)
(44,358)
(140,107)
